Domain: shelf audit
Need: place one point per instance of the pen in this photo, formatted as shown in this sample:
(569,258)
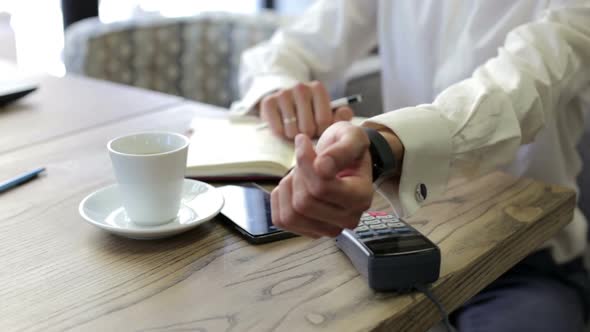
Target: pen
(20,179)
(334,104)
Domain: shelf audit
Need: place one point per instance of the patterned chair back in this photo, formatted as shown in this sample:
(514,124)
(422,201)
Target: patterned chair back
(196,58)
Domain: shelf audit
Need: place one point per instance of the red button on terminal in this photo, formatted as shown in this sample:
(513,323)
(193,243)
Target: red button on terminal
(377,213)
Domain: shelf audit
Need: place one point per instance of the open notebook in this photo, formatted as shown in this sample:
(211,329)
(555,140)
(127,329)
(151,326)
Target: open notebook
(237,150)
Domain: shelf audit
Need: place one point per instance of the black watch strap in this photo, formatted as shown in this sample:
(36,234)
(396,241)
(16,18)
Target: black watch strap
(383,159)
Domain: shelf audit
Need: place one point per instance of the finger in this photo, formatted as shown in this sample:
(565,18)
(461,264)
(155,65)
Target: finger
(288,115)
(303,103)
(343,114)
(275,208)
(297,223)
(288,218)
(300,224)
(352,193)
(323,189)
(270,114)
(321,106)
(311,207)
(305,155)
(319,187)
(327,138)
(322,211)
(344,153)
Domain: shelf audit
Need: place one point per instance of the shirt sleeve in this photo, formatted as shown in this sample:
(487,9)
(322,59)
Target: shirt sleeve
(327,38)
(477,125)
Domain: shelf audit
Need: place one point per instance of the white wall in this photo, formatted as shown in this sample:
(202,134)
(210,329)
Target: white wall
(38,30)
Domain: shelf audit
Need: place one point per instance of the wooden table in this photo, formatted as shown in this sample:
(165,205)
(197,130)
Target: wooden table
(64,106)
(58,272)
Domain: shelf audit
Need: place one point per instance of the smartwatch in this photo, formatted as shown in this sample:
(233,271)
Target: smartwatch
(383,160)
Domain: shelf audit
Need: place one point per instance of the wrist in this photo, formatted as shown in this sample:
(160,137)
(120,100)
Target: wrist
(394,142)
(396,146)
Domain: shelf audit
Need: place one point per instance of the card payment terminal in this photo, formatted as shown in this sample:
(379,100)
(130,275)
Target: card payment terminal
(389,253)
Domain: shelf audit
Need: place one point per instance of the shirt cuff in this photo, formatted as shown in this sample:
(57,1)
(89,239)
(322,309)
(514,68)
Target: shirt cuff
(426,137)
(261,86)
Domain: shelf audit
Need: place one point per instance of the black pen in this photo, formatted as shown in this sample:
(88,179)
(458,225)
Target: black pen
(20,179)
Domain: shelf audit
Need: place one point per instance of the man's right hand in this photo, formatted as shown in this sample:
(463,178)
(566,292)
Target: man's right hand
(329,188)
(304,108)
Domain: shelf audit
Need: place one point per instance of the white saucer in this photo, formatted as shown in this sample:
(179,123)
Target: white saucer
(200,203)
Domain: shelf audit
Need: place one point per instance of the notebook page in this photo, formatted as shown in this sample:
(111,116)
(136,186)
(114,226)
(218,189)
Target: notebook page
(222,142)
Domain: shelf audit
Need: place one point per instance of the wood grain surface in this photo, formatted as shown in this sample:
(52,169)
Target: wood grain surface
(59,273)
(63,106)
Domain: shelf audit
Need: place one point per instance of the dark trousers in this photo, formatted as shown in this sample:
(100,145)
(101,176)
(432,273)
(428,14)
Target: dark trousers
(536,295)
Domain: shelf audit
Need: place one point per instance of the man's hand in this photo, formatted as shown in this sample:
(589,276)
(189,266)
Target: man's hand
(305,109)
(331,186)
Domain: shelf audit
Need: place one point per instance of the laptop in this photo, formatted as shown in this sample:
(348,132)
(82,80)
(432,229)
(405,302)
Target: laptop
(15,84)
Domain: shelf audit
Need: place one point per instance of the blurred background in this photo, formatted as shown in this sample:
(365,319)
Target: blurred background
(32,31)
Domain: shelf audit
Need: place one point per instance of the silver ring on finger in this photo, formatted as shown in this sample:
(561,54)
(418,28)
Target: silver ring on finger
(289,120)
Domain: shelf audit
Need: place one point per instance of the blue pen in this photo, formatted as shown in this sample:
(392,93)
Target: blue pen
(20,179)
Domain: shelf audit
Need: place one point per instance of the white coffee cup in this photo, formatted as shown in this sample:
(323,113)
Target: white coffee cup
(150,169)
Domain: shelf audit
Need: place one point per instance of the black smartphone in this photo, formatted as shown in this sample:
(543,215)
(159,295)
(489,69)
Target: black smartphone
(247,209)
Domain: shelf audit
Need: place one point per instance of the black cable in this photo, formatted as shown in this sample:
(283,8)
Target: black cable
(443,313)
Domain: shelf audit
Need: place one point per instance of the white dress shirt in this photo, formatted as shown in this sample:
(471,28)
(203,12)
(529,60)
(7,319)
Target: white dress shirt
(498,84)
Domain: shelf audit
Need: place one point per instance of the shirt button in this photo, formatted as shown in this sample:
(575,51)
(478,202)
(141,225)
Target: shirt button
(421,192)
